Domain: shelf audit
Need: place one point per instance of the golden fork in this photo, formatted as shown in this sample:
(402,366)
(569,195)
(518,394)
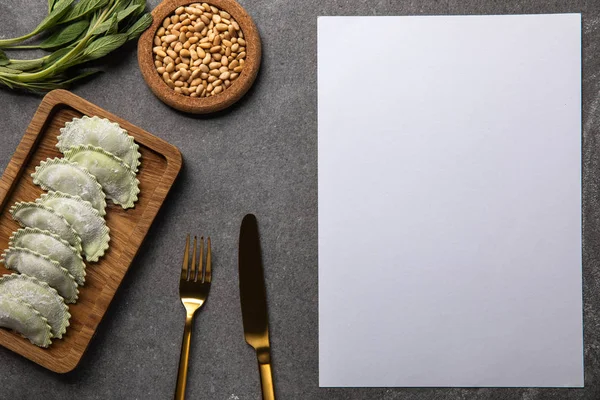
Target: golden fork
(194,286)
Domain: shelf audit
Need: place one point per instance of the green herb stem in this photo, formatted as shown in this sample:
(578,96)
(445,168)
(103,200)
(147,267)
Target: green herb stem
(14,41)
(25,47)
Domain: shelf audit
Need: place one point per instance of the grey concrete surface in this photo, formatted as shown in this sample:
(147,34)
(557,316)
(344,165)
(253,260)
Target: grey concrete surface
(260,157)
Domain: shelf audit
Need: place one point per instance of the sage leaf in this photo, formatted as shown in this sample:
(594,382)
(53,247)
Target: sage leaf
(141,4)
(26,65)
(3,58)
(51,4)
(10,70)
(114,26)
(58,54)
(104,45)
(7,82)
(128,11)
(65,36)
(81,76)
(140,26)
(59,10)
(61,81)
(111,26)
(83,8)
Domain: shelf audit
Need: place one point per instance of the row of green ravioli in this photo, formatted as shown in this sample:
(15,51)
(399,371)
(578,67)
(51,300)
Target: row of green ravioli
(65,225)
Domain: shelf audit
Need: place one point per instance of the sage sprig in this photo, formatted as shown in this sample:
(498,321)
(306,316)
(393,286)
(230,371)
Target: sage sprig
(76,33)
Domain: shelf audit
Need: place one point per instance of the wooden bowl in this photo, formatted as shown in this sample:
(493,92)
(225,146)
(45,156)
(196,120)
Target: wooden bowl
(200,105)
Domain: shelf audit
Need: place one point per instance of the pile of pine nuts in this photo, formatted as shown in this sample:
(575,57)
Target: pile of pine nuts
(199,50)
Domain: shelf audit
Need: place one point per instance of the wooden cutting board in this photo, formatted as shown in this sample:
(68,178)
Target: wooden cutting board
(160,165)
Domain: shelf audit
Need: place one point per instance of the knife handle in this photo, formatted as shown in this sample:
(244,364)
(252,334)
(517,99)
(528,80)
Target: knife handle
(266,381)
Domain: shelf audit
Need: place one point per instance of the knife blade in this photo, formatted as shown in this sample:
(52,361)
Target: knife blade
(253,298)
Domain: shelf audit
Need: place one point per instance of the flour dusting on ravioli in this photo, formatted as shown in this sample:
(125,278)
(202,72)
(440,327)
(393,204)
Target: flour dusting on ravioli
(100,132)
(42,297)
(118,181)
(83,218)
(21,317)
(61,175)
(52,246)
(30,263)
(35,215)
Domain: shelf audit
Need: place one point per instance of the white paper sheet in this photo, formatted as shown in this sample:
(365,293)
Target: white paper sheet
(450,201)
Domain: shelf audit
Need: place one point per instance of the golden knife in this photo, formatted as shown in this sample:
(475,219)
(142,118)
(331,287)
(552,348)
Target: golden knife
(253,297)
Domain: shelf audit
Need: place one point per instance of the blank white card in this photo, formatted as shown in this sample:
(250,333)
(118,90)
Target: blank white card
(450,201)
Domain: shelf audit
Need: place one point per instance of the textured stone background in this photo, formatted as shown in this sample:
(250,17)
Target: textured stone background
(261,157)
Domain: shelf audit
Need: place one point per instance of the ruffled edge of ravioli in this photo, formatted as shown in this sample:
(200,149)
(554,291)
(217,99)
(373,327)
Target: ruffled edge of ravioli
(66,315)
(63,270)
(20,205)
(132,144)
(63,161)
(29,230)
(48,331)
(104,234)
(135,190)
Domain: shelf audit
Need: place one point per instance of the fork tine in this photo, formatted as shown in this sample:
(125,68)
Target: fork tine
(193,266)
(208,272)
(186,258)
(194,277)
(201,261)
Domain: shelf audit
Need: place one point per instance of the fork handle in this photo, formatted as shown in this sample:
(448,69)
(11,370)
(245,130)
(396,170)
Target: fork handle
(266,381)
(184,358)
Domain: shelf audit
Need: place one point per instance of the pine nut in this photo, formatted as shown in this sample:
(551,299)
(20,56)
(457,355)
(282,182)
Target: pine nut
(170,38)
(199,50)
